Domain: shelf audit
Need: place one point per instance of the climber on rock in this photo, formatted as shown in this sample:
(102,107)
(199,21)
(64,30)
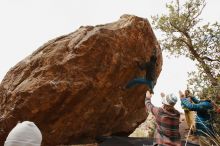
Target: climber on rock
(149,78)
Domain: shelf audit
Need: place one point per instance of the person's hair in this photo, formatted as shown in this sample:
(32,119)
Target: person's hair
(188,93)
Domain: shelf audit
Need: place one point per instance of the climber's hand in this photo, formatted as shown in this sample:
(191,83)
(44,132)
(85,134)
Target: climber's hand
(162,94)
(148,95)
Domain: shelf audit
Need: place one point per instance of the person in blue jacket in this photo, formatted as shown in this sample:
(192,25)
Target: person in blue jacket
(204,129)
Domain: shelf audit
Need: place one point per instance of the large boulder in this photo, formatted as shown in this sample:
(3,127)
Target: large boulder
(71,87)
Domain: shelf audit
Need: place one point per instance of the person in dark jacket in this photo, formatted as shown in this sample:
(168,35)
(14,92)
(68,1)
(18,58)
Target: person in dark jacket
(167,120)
(204,128)
(149,79)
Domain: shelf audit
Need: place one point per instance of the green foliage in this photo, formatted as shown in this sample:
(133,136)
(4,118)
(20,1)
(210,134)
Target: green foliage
(178,25)
(183,33)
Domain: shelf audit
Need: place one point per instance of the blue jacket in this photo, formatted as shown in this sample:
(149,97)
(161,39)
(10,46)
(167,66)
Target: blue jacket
(183,106)
(203,116)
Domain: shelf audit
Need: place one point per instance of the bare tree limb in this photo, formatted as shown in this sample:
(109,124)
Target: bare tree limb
(210,59)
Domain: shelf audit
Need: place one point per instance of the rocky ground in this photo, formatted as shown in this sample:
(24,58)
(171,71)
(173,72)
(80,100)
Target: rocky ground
(146,130)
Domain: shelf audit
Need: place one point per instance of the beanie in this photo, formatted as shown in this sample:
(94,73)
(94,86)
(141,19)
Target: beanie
(24,134)
(169,100)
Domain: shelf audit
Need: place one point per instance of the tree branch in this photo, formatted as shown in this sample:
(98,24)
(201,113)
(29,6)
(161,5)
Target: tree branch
(200,12)
(210,59)
(205,67)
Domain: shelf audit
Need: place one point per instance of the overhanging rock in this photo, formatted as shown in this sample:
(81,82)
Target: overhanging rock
(71,86)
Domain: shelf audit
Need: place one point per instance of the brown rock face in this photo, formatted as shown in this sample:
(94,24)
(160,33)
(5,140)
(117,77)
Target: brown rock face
(71,86)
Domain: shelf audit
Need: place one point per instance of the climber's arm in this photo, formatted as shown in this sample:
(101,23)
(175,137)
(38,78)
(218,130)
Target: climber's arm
(196,107)
(143,66)
(194,99)
(149,106)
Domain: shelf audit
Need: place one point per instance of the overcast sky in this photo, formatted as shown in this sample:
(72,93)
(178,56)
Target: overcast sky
(25,25)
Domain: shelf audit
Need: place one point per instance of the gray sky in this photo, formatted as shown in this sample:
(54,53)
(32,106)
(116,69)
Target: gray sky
(28,24)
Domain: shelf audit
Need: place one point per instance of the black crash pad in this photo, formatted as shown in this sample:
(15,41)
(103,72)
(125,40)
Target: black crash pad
(129,141)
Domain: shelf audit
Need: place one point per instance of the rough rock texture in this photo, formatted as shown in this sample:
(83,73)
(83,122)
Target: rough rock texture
(71,86)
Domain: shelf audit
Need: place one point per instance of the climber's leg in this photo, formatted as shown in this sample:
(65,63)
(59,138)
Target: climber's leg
(135,82)
(140,81)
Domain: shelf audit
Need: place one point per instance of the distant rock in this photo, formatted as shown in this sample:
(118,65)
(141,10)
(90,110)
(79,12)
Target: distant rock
(146,129)
(71,86)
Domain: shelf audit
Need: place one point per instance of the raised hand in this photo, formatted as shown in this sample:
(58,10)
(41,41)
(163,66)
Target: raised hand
(148,95)
(162,94)
(181,94)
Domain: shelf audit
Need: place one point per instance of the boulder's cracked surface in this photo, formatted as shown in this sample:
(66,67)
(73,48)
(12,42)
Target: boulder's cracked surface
(71,87)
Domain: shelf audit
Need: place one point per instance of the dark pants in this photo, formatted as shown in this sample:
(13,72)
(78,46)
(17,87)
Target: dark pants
(140,80)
